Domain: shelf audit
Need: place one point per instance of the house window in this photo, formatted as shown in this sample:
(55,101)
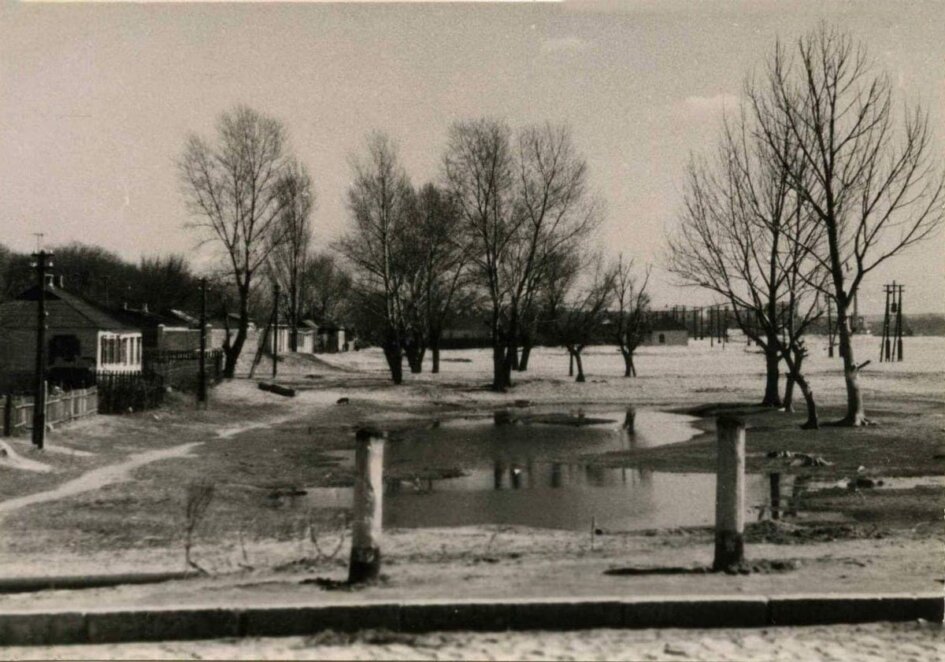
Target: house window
(662,338)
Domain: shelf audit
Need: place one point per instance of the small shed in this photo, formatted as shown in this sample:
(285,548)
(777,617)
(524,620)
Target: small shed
(667,331)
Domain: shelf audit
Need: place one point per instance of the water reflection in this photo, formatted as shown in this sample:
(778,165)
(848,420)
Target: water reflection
(537,475)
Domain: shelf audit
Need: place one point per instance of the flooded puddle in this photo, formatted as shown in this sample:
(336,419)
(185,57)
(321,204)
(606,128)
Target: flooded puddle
(533,475)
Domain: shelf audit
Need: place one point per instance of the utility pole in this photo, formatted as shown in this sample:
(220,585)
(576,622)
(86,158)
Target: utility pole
(884,343)
(202,378)
(899,326)
(275,329)
(829,329)
(43,261)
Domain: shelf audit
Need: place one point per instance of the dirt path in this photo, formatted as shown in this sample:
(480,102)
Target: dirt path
(98,478)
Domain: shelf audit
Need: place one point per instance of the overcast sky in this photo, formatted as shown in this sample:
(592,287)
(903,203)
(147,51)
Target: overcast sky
(96,101)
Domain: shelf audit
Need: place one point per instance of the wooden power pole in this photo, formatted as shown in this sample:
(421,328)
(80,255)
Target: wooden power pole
(43,262)
(202,378)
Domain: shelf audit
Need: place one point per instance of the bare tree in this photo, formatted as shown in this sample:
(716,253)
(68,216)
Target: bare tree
(326,288)
(438,278)
(731,236)
(380,202)
(871,179)
(479,166)
(291,253)
(233,187)
(519,205)
(804,279)
(579,315)
(630,326)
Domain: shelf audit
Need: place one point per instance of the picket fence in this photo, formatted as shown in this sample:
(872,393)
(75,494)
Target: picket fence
(61,407)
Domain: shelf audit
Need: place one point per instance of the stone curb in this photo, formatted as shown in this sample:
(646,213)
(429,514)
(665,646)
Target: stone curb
(125,625)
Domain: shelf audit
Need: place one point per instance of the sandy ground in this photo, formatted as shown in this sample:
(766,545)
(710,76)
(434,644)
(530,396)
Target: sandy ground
(902,641)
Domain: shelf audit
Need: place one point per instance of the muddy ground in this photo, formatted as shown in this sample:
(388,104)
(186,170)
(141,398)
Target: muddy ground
(106,504)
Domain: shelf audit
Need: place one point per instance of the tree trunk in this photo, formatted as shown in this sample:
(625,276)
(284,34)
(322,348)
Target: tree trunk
(513,356)
(499,379)
(435,354)
(812,422)
(580,367)
(772,362)
(395,360)
(523,359)
(414,354)
(788,401)
(233,351)
(628,369)
(856,414)
(570,363)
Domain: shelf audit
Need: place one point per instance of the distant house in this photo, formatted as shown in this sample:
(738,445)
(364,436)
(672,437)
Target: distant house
(665,330)
(169,331)
(80,336)
(466,331)
(331,337)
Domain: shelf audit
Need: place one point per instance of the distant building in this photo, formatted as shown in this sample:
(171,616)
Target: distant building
(168,331)
(311,337)
(665,330)
(466,331)
(80,336)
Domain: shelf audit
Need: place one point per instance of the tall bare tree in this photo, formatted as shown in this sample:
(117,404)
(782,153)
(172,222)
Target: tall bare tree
(438,276)
(380,201)
(870,177)
(479,166)
(630,325)
(292,250)
(521,201)
(731,235)
(232,186)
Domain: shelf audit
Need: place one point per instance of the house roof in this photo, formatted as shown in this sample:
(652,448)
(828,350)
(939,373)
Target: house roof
(64,310)
(147,319)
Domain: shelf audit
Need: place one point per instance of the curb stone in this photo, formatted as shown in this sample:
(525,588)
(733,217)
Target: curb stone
(166,624)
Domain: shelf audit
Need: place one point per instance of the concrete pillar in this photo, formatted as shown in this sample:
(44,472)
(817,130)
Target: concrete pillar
(730,493)
(365,564)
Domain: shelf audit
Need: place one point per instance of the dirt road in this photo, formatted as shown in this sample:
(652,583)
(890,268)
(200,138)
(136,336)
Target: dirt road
(883,641)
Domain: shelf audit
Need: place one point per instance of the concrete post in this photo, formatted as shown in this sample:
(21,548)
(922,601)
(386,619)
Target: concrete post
(730,493)
(365,564)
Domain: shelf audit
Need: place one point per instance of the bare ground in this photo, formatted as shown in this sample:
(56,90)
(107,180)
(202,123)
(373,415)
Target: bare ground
(254,446)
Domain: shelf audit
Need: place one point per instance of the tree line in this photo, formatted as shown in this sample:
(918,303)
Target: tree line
(505,232)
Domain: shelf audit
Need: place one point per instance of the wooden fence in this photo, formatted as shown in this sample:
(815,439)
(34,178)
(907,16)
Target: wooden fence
(181,369)
(121,392)
(61,407)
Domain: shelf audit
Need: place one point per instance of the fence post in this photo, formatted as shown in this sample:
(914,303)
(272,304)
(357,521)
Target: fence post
(8,415)
(365,564)
(730,493)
